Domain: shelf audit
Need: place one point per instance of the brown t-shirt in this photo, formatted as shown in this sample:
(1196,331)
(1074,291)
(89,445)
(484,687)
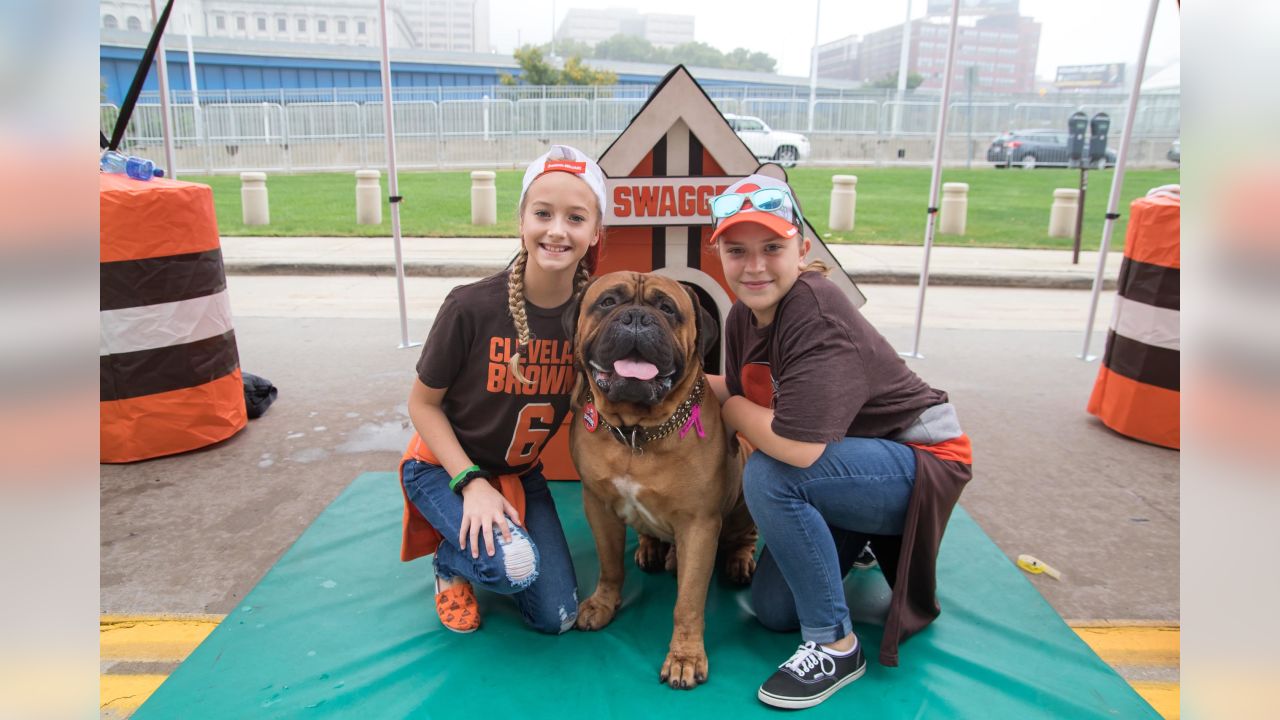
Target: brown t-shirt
(501,423)
(825,371)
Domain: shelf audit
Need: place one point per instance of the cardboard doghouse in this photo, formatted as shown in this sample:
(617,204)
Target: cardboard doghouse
(661,172)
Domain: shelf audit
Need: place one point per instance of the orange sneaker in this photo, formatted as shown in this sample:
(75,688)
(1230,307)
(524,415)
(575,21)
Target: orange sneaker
(457,607)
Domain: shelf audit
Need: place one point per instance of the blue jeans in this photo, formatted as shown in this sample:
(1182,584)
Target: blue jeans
(547,596)
(806,516)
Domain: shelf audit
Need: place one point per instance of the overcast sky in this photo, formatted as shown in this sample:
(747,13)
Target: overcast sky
(1072,32)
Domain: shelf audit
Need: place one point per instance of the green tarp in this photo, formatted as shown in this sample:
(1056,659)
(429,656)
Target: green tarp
(339,627)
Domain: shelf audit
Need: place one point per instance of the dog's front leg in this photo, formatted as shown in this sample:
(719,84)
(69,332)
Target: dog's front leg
(686,663)
(611,534)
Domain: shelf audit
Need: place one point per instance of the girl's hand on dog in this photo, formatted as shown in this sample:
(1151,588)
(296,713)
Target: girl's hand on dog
(482,508)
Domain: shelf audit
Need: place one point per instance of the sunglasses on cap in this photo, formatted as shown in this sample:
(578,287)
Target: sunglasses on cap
(768,200)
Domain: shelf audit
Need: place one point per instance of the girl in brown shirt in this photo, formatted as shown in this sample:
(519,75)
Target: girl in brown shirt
(849,442)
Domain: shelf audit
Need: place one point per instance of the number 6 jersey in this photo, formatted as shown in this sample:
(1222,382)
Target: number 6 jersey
(501,423)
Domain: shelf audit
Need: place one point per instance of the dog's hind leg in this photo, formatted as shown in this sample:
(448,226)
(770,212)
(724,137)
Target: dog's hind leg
(651,554)
(738,545)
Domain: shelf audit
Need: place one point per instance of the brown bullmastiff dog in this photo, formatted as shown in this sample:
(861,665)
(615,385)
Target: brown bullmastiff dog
(651,449)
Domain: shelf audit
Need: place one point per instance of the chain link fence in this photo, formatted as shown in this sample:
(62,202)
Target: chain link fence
(307,130)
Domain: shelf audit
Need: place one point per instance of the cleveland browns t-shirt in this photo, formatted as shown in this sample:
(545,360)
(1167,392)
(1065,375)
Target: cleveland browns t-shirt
(501,423)
(823,369)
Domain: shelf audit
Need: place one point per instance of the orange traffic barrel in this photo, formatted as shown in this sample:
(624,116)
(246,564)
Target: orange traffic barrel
(170,372)
(1137,392)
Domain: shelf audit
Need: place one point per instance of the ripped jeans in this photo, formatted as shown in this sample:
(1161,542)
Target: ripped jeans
(546,589)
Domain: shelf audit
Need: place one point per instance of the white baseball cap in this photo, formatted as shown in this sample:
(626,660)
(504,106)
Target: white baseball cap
(562,158)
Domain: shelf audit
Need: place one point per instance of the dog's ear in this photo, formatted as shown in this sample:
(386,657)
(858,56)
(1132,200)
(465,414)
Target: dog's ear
(705,323)
(569,320)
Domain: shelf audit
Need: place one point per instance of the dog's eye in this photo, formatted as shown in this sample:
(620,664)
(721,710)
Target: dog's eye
(667,307)
(607,302)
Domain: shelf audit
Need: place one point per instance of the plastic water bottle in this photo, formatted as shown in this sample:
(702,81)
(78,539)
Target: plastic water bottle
(133,166)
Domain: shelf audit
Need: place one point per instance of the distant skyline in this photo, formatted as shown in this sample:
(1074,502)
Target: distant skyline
(1081,32)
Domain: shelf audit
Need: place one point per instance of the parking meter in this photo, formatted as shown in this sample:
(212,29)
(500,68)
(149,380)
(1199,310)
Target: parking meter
(1077,128)
(1098,128)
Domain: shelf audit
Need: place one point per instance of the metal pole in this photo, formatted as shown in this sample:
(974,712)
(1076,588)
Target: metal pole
(195,91)
(165,130)
(971,74)
(1117,180)
(813,61)
(936,182)
(903,58)
(393,183)
(1084,185)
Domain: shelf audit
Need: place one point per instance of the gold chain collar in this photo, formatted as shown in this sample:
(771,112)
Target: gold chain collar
(636,436)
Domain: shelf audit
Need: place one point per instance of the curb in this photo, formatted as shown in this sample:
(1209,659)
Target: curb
(477,270)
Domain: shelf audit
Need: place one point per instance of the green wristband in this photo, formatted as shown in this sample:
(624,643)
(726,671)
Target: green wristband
(453,484)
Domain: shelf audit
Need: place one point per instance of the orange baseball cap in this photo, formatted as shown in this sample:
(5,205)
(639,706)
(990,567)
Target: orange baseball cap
(780,221)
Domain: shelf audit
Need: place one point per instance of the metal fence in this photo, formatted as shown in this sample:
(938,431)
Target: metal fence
(300,130)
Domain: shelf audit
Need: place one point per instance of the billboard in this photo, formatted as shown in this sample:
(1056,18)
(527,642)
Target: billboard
(1104,75)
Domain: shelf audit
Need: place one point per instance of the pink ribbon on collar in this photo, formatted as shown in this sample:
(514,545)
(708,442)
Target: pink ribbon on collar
(694,421)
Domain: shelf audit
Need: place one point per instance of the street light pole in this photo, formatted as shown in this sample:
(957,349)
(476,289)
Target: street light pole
(813,62)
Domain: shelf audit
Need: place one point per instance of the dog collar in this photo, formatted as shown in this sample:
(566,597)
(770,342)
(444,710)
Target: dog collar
(687,416)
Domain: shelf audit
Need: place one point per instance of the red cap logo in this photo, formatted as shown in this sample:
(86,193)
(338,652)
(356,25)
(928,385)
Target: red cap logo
(565,166)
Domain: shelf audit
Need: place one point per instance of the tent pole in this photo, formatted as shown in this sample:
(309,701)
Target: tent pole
(1117,180)
(932,221)
(393,182)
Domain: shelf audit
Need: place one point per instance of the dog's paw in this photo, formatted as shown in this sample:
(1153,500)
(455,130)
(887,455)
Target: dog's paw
(670,564)
(651,554)
(740,565)
(684,669)
(595,612)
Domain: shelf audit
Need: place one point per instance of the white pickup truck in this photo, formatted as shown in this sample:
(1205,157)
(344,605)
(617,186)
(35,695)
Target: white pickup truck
(785,148)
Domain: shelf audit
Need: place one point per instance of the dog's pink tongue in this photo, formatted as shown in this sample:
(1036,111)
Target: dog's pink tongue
(638,369)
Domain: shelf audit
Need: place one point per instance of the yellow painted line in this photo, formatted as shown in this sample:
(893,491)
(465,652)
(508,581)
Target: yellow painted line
(124,693)
(1164,697)
(1146,646)
(152,638)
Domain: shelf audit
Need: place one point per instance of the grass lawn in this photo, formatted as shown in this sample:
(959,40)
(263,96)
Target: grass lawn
(1007,208)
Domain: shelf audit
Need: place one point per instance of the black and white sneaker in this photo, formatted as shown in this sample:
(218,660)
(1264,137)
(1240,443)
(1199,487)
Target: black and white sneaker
(810,676)
(866,559)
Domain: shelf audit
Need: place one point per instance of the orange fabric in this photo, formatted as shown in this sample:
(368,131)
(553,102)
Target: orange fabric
(1141,411)
(171,422)
(418,537)
(957,449)
(157,218)
(1155,231)
(557,461)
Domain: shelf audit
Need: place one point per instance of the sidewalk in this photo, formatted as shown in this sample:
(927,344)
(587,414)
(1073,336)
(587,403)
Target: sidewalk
(477,257)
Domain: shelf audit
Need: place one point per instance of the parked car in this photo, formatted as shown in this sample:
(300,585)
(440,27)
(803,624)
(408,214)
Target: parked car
(786,148)
(1175,151)
(1034,148)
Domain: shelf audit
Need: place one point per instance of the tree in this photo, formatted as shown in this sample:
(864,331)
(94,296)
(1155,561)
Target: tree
(569,48)
(625,47)
(699,54)
(535,70)
(575,73)
(914,81)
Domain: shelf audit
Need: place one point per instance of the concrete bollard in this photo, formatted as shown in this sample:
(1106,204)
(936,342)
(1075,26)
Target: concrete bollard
(955,208)
(368,197)
(1062,214)
(484,198)
(844,202)
(253,198)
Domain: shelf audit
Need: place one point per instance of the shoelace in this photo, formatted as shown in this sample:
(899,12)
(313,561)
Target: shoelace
(808,657)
